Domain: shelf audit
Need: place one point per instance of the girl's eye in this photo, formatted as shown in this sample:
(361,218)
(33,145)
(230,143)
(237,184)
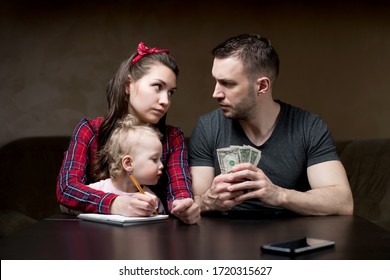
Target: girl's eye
(157,87)
(171,92)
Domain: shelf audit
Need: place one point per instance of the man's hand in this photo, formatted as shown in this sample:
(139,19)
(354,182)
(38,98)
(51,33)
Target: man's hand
(219,197)
(254,184)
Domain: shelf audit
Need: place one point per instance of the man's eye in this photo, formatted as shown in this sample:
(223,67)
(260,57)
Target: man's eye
(227,84)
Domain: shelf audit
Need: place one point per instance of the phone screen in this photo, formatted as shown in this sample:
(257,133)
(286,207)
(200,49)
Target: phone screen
(297,246)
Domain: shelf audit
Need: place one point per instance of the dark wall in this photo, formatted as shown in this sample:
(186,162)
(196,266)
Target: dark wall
(57,57)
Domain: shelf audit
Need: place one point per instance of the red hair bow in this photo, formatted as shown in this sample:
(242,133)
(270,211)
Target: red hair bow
(145,51)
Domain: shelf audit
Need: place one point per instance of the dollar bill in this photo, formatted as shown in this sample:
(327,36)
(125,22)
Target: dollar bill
(227,158)
(230,156)
(254,156)
(245,154)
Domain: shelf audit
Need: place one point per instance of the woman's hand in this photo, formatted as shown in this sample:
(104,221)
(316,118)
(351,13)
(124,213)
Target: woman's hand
(186,210)
(135,205)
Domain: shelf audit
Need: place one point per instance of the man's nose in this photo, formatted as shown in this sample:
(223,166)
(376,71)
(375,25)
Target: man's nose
(218,92)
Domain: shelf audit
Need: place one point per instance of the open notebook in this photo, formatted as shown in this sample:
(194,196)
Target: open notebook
(121,220)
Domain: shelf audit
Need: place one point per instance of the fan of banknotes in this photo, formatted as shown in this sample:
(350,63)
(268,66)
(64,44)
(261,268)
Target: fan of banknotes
(230,156)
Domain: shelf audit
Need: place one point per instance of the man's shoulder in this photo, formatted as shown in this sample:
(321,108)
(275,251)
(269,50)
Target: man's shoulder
(294,108)
(213,116)
(296,111)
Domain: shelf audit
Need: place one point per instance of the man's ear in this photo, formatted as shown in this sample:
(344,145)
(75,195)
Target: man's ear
(263,85)
(127,163)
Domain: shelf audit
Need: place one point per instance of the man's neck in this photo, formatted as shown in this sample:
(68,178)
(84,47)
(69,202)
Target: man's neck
(259,128)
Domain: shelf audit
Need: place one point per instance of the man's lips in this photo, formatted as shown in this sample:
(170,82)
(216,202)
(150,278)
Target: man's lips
(223,106)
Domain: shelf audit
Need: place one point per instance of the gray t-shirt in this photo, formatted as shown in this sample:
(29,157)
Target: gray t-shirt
(300,139)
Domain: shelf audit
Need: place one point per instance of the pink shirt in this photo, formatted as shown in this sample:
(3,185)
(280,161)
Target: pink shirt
(108,187)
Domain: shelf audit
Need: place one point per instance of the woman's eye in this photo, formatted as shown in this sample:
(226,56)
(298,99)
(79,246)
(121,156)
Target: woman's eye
(157,87)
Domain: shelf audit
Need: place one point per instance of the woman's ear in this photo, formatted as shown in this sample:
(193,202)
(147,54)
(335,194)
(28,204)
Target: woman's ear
(263,85)
(128,83)
(127,163)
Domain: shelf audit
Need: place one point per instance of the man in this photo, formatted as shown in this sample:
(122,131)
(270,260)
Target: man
(299,169)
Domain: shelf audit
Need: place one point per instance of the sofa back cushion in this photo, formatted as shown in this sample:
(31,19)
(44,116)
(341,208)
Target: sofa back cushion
(367,163)
(28,175)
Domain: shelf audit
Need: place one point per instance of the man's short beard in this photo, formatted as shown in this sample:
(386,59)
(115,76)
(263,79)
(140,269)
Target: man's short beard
(245,110)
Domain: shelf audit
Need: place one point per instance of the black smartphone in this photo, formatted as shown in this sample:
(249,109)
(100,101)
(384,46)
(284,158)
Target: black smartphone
(297,246)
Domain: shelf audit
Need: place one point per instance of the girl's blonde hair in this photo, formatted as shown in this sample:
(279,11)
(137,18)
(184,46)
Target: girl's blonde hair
(124,139)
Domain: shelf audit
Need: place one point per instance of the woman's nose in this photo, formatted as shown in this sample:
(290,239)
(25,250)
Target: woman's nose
(164,99)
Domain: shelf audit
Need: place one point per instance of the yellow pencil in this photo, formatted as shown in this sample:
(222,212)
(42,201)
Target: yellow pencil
(140,189)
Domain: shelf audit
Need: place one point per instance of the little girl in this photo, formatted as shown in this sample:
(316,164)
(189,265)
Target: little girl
(136,150)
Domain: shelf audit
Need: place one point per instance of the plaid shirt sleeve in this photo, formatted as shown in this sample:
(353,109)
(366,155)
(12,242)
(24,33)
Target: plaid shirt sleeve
(179,178)
(72,191)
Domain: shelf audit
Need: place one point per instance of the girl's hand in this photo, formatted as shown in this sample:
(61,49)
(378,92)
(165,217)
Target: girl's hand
(186,210)
(135,205)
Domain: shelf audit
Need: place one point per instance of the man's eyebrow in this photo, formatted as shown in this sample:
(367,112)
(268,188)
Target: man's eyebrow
(226,81)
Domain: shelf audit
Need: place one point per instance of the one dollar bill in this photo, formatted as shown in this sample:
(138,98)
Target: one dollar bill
(230,156)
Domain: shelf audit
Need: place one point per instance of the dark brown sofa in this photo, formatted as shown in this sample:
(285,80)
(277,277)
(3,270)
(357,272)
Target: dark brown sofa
(367,163)
(28,174)
(29,168)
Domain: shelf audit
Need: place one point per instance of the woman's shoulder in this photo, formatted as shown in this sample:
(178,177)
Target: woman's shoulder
(95,122)
(90,123)
(87,128)
(174,136)
(174,131)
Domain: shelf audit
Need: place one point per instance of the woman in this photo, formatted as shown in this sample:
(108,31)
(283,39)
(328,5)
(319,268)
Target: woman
(142,86)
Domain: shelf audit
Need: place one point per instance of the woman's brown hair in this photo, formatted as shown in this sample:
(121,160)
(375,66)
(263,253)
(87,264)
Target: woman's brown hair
(118,101)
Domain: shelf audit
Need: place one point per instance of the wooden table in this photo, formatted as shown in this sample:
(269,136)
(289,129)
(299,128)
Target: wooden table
(64,238)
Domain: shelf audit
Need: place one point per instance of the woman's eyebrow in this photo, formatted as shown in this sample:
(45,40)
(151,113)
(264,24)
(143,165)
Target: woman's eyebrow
(164,83)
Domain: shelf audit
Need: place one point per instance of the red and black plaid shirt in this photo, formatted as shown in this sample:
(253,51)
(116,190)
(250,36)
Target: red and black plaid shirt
(72,189)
